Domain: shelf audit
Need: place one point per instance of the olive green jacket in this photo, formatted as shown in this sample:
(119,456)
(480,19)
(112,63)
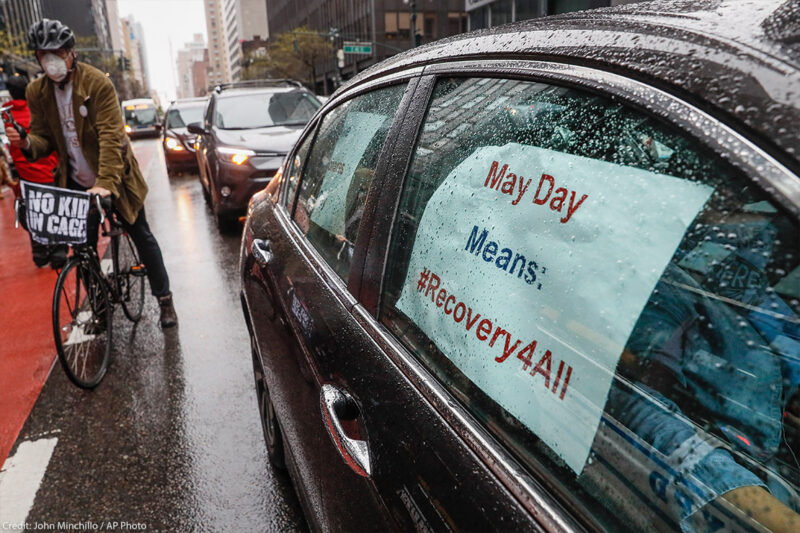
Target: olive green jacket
(101,133)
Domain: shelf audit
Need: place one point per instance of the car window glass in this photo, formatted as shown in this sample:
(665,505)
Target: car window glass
(618,305)
(339,170)
(261,110)
(180,118)
(296,167)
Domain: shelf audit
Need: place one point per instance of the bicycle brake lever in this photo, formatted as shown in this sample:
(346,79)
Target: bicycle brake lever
(100,208)
(9,119)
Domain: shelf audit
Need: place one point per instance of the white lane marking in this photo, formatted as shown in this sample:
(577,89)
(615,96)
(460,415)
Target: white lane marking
(21,477)
(106,265)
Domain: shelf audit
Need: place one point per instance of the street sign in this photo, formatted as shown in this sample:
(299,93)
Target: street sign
(351,47)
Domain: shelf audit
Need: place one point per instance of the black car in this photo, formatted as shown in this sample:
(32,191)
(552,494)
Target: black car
(247,130)
(543,277)
(177,142)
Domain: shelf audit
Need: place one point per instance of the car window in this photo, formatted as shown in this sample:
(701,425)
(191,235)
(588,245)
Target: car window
(261,110)
(339,170)
(296,166)
(182,117)
(616,304)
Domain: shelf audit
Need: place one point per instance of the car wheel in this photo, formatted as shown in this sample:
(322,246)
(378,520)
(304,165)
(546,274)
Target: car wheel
(269,423)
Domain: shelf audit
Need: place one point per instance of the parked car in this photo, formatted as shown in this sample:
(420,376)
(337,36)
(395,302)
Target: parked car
(141,117)
(247,130)
(543,277)
(178,143)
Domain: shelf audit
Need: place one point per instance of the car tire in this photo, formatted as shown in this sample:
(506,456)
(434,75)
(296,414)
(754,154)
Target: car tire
(269,424)
(226,223)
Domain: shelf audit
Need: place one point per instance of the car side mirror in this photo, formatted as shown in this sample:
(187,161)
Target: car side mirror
(196,128)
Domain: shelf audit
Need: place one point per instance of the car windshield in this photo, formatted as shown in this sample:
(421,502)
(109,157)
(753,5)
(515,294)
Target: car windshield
(249,111)
(182,117)
(140,115)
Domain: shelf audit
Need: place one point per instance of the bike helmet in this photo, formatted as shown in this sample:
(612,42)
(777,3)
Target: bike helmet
(50,34)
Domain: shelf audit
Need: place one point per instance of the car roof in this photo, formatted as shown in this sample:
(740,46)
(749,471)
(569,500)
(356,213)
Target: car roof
(189,102)
(239,91)
(134,101)
(737,60)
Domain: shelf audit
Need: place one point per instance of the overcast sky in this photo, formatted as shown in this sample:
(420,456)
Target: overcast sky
(165,22)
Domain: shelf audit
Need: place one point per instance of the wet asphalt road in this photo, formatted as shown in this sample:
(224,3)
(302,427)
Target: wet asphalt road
(171,438)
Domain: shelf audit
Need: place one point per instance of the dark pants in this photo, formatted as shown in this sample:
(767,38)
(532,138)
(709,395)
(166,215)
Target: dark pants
(146,245)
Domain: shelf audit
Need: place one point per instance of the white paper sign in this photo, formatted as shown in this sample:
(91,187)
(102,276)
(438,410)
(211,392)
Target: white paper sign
(329,208)
(529,270)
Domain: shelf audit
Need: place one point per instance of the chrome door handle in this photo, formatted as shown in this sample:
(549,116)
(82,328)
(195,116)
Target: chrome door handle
(262,252)
(333,402)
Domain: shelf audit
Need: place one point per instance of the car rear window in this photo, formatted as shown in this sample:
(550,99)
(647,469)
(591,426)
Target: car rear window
(616,304)
(261,110)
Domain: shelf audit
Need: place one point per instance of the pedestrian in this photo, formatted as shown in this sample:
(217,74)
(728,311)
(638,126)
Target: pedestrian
(75,110)
(39,171)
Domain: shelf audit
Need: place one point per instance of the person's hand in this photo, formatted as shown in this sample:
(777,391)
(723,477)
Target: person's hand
(102,192)
(15,139)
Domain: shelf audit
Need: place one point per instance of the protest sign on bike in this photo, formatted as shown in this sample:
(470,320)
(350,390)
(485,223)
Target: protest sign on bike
(54,215)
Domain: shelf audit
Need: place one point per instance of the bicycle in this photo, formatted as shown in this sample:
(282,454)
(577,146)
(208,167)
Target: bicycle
(85,298)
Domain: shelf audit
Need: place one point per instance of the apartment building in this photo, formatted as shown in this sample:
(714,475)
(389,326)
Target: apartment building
(223,25)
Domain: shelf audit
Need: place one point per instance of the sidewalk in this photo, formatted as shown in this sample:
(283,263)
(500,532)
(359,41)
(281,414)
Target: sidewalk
(27,351)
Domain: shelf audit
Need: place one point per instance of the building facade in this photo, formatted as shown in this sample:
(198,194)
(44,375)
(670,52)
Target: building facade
(385,23)
(253,24)
(222,25)
(190,54)
(18,15)
(133,37)
(490,13)
(86,18)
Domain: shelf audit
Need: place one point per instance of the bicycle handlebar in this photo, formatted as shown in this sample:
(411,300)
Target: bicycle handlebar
(8,118)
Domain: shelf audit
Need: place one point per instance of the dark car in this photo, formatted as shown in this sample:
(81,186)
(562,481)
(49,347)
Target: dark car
(247,130)
(543,277)
(177,141)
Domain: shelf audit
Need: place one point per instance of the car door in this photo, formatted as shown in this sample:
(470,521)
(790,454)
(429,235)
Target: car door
(303,291)
(564,288)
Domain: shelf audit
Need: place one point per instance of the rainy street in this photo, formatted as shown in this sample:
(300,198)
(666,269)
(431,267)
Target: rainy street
(171,439)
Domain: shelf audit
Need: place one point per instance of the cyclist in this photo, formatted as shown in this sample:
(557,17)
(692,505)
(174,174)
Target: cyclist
(75,110)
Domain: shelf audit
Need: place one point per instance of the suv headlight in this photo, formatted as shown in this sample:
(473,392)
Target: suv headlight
(235,155)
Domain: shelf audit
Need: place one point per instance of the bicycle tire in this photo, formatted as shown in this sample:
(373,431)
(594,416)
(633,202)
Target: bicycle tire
(83,315)
(130,273)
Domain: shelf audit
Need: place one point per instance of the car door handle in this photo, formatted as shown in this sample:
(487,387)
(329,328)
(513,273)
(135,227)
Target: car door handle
(262,252)
(336,406)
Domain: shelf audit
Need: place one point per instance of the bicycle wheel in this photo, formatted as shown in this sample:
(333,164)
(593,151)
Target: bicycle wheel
(82,323)
(130,273)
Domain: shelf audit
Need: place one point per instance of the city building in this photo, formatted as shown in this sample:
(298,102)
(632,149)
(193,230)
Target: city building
(224,52)
(192,52)
(133,37)
(489,13)
(200,75)
(86,18)
(115,27)
(253,25)
(388,26)
(17,16)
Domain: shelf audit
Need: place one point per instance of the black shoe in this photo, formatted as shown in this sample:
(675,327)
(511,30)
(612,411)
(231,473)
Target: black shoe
(168,317)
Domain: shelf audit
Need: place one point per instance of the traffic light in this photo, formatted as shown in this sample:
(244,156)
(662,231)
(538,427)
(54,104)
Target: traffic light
(126,63)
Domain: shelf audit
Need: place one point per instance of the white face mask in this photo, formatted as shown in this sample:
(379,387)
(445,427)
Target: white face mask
(54,67)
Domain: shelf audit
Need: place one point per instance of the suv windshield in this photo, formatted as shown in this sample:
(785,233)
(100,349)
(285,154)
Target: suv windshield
(180,118)
(259,110)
